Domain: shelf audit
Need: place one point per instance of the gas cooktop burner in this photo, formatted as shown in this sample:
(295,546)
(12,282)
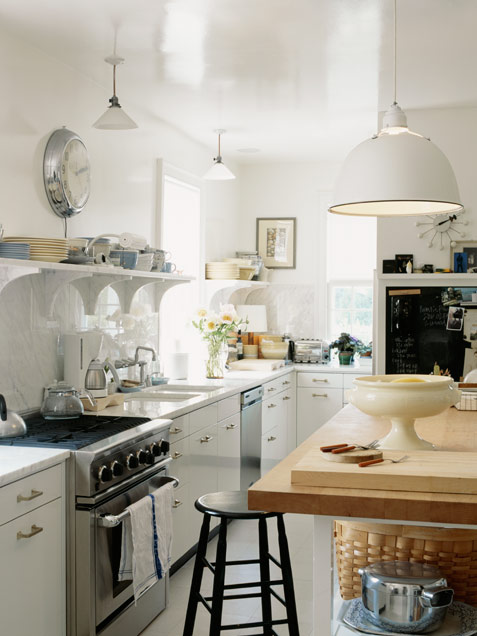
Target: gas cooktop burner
(72,434)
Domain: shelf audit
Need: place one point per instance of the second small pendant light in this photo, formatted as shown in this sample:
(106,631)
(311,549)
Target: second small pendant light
(219,171)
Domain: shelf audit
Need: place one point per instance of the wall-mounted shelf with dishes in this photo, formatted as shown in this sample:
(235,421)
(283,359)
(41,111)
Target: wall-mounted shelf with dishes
(219,292)
(89,280)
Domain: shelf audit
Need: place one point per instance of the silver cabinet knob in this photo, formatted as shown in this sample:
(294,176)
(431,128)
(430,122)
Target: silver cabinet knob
(271,439)
(229,427)
(271,406)
(174,430)
(206,438)
(177,503)
(177,455)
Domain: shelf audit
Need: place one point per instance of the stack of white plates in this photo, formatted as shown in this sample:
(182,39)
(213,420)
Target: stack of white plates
(221,271)
(43,249)
(15,250)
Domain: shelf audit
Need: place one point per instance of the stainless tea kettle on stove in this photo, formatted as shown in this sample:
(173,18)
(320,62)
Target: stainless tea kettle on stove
(11,424)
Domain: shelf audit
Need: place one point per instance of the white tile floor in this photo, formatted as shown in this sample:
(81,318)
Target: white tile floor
(242,542)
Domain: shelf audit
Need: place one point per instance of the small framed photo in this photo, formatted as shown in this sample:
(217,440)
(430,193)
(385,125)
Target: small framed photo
(401,261)
(468,250)
(389,266)
(460,262)
(455,319)
(276,242)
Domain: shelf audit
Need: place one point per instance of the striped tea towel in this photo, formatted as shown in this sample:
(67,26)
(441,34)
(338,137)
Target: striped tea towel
(147,540)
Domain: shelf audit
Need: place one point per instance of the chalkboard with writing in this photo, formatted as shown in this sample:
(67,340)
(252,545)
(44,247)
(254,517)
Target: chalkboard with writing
(416,333)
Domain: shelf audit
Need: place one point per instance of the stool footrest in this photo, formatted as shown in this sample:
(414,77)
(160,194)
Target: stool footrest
(281,621)
(229,597)
(243,562)
(237,586)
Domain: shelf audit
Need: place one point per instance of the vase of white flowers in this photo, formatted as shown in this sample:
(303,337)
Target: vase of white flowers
(215,330)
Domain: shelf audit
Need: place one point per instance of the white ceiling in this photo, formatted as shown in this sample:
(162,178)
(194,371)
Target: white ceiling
(298,79)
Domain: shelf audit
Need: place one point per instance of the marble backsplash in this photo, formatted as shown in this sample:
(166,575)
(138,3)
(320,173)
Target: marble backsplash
(290,308)
(31,342)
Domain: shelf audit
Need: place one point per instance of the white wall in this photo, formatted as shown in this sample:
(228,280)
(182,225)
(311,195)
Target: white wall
(454,131)
(286,190)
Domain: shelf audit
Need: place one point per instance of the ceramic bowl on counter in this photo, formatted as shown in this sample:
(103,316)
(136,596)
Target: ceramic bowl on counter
(274,350)
(403,398)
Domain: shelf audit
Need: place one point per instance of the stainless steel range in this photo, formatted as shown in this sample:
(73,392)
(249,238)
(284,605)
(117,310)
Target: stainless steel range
(115,461)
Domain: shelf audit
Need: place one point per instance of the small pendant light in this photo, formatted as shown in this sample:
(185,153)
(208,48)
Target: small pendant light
(396,173)
(114,118)
(219,171)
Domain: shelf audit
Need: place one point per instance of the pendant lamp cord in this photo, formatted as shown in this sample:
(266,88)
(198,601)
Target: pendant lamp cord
(395,38)
(114,80)
(219,146)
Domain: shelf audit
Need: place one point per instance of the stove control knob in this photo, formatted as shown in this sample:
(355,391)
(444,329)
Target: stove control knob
(149,458)
(141,456)
(164,446)
(131,462)
(105,474)
(116,468)
(155,449)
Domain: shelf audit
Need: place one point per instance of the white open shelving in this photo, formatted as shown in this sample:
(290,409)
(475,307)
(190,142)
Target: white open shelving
(219,292)
(89,280)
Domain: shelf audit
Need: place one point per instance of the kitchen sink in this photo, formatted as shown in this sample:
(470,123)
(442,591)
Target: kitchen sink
(200,388)
(162,396)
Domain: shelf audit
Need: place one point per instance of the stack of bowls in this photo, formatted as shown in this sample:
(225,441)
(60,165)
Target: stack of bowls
(144,262)
(274,350)
(124,258)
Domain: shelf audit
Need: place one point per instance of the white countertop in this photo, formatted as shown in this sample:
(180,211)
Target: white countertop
(234,382)
(17,462)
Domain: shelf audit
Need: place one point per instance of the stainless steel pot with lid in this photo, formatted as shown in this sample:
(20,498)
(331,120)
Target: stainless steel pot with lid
(405,597)
(11,424)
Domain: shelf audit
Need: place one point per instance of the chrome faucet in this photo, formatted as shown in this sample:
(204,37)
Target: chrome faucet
(142,363)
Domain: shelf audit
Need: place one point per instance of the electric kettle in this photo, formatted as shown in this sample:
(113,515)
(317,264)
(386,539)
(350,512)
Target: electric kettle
(95,380)
(61,402)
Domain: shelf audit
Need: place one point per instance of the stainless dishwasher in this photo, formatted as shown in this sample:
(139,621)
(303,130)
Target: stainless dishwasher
(250,436)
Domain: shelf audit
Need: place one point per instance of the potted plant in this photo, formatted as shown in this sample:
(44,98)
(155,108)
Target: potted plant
(347,346)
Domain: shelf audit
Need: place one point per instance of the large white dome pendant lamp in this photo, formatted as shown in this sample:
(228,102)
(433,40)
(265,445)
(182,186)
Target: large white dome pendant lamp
(219,171)
(114,118)
(396,173)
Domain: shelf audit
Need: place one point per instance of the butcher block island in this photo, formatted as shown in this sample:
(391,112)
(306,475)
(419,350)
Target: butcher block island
(431,488)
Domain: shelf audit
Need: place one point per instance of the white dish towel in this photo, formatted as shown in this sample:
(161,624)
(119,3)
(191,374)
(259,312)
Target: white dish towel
(147,540)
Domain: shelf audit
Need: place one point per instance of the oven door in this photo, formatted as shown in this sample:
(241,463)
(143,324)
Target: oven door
(110,598)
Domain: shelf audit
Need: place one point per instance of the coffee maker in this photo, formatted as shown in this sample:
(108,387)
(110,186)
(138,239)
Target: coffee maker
(80,349)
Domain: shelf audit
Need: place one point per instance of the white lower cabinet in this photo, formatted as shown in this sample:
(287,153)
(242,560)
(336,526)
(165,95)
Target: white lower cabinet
(181,541)
(274,448)
(32,553)
(319,395)
(228,454)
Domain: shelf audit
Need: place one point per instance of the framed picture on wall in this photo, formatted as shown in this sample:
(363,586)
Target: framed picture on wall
(468,251)
(276,242)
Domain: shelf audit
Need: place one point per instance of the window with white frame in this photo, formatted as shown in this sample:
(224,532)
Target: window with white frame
(181,236)
(351,260)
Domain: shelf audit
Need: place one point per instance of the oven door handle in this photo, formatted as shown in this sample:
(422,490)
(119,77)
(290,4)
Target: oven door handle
(110,521)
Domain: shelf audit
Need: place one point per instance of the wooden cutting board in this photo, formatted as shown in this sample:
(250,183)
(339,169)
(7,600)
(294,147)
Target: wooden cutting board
(115,399)
(253,364)
(424,471)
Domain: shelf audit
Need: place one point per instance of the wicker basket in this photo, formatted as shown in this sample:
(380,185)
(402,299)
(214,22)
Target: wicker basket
(452,550)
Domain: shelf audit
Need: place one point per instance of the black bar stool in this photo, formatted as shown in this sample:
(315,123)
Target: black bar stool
(233,505)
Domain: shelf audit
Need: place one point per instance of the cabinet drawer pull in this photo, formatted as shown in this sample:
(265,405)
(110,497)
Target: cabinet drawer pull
(228,427)
(271,406)
(324,395)
(207,438)
(271,439)
(271,388)
(177,455)
(177,503)
(174,430)
(286,382)
(287,397)
(33,495)
(319,380)
(34,530)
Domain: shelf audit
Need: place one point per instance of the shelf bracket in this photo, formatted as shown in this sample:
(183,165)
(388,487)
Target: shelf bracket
(127,289)
(53,282)
(90,288)
(11,272)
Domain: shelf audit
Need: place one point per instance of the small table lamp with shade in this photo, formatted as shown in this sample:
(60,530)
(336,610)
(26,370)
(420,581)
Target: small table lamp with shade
(257,319)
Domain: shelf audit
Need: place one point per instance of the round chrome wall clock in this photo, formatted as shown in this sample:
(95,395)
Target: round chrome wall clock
(442,229)
(66,173)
